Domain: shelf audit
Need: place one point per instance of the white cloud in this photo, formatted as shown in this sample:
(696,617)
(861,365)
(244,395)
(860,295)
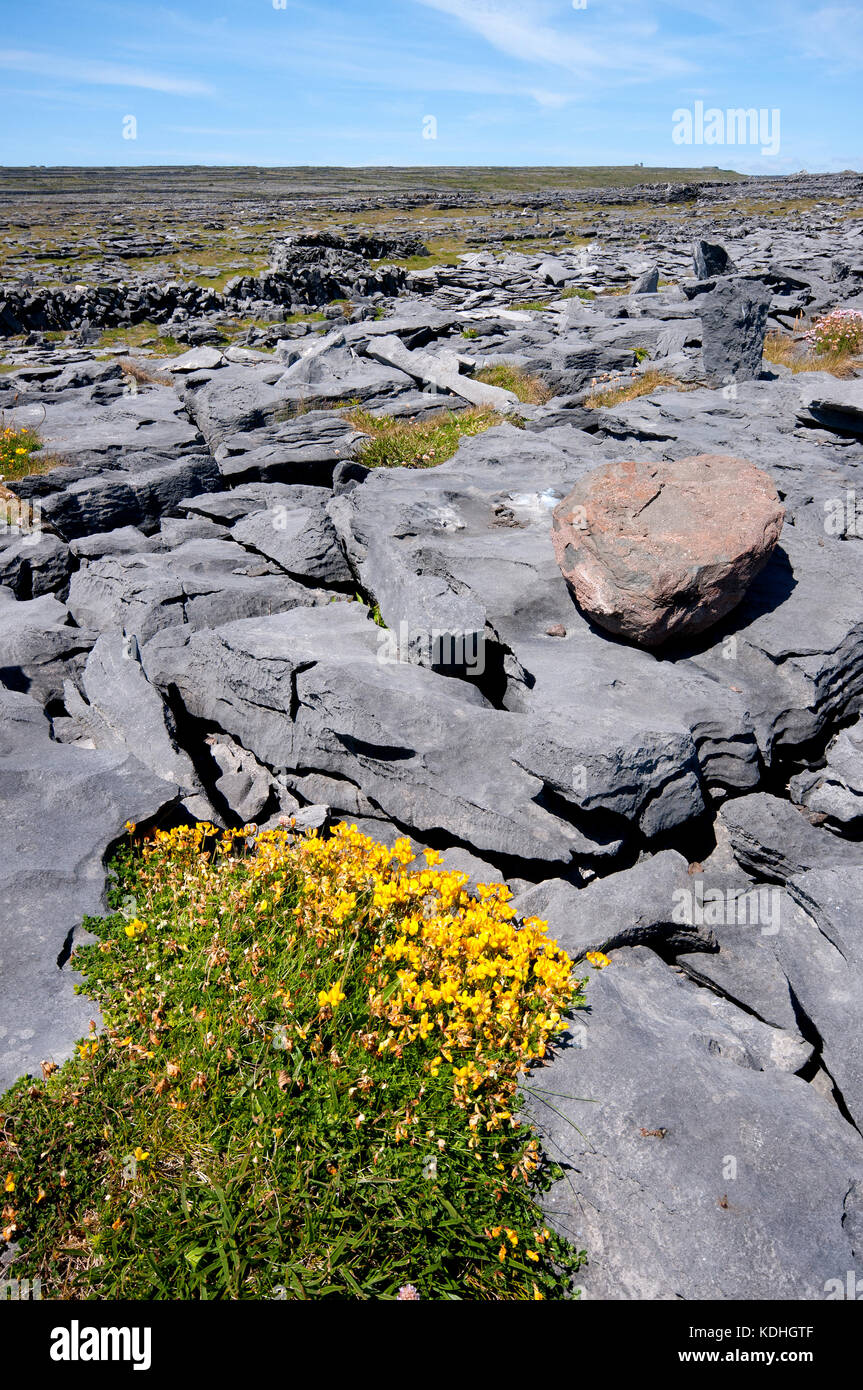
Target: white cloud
(831,35)
(552,101)
(588,46)
(96,73)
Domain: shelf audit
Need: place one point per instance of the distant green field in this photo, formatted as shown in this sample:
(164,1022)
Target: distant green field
(313,182)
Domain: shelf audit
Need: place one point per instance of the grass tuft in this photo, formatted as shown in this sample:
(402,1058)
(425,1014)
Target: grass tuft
(532,390)
(420,443)
(619,390)
(139,334)
(805,352)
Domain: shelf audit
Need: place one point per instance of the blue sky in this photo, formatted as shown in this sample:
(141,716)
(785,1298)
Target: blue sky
(352,82)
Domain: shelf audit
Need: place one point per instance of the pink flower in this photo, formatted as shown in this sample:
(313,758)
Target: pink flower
(410,1292)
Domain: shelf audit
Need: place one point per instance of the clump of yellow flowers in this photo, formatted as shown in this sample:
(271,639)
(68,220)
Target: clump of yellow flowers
(313,1042)
(444,966)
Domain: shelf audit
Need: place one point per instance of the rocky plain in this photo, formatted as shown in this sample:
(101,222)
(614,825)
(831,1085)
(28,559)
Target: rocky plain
(215,606)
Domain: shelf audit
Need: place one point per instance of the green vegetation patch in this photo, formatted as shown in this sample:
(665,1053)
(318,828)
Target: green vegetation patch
(418,443)
(306,1085)
(530,389)
(136,335)
(20,454)
(618,390)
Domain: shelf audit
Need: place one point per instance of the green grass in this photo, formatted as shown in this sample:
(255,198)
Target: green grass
(418,443)
(135,335)
(577,292)
(530,389)
(218,282)
(373,610)
(534,305)
(442,251)
(304,1088)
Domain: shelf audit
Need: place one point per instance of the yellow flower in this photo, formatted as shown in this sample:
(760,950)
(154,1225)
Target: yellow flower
(10,1182)
(41,1195)
(333,997)
(598,960)
(532,1255)
(141,1155)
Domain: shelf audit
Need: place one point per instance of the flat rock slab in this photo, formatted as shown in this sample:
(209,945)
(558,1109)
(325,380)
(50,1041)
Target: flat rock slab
(653,551)
(151,419)
(700,1166)
(832,402)
(116,499)
(440,370)
(63,809)
(774,840)
(300,540)
(200,584)
(636,906)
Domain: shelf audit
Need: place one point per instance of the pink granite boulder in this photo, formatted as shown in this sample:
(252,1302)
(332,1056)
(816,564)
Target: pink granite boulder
(657,550)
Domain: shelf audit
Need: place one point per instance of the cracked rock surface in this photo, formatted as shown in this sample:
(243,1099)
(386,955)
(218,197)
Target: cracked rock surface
(213,608)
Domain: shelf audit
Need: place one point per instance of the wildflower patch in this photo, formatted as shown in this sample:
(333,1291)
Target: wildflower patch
(307,1082)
